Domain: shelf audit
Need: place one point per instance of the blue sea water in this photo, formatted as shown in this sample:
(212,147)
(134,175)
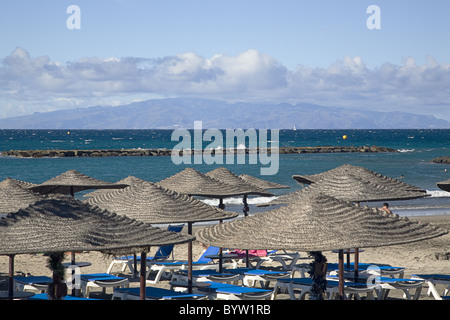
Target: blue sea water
(412,163)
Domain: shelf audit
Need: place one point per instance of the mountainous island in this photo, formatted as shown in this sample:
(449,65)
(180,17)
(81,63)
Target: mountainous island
(172,113)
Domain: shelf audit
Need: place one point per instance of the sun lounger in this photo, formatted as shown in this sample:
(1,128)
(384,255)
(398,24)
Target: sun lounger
(207,275)
(248,276)
(171,266)
(32,283)
(406,285)
(351,289)
(153,293)
(226,291)
(162,253)
(434,279)
(252,276)
(385,284)
(385,270)
(287,260)
(101,280)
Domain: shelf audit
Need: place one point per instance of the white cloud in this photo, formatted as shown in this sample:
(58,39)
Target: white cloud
(39,82)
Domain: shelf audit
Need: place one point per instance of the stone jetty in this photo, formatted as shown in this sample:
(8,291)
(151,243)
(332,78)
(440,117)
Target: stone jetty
(168,152)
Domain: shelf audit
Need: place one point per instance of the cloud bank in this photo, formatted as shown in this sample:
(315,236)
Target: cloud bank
(29,84)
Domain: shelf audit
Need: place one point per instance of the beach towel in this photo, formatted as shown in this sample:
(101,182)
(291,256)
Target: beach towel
(255,253)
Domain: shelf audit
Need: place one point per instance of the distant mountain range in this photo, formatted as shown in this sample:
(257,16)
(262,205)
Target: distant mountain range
(182,112)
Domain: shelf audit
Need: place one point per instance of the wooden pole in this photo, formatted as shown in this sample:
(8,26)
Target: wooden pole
(11,277)
(72,254)
(143,275)
(190,259)
(341,274)
(135,265)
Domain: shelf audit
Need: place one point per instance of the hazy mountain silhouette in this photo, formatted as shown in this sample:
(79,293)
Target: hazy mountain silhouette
(182,112)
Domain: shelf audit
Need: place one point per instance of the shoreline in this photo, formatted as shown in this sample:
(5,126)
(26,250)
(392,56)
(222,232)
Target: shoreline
(168,152)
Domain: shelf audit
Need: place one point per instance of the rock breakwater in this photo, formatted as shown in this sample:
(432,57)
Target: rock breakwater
(168,152)
(444,160)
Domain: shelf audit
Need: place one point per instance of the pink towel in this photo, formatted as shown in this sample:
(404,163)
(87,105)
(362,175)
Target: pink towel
(255,253)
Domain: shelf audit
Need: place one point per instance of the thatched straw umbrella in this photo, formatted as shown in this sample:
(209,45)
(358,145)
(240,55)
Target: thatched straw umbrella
(264,184)
(73,181)
(354,184)
(350,172)
(23,184)
(228,177)
(316,223)
(14,197)
(150,203)
(444,185)
(192,182)
(125,181)
(56,226)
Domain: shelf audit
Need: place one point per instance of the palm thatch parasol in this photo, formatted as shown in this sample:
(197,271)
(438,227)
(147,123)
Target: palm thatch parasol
(151,203)
(444,185)
(192,182)
(130,180)
(264,184)
(55,226)
(317,222)
(354,184)
(71,182)
(228,177)
(349,172)
(23,184)
(14,197)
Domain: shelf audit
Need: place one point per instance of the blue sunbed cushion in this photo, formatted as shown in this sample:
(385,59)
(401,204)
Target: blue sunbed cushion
(263,272)
(43,296)
(99,277)
(159,293)
(34,279)
(229,288)
(434,276)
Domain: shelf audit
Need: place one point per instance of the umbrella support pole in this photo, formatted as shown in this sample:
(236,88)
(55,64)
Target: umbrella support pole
(11,277)
(142,276)
(72,261)
(341,274)
(135,265)
(190,259)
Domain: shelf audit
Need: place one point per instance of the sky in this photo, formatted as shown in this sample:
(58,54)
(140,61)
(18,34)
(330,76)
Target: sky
(326,52)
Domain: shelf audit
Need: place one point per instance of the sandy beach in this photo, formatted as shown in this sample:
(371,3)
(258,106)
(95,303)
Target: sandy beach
(431,256)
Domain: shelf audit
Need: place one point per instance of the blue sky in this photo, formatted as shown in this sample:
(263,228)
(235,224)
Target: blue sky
(284,51)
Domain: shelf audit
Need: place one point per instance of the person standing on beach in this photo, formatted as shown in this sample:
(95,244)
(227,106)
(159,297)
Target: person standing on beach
(386,208)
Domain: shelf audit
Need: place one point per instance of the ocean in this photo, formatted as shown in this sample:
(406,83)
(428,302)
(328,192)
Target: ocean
(412,163)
